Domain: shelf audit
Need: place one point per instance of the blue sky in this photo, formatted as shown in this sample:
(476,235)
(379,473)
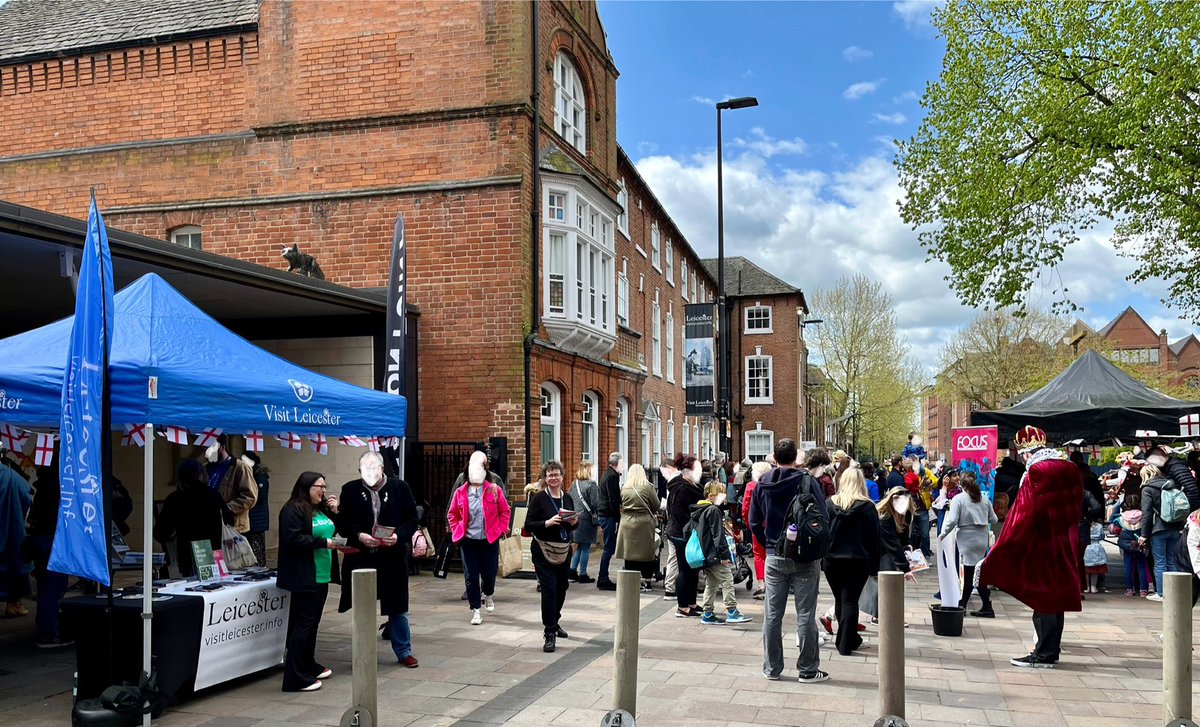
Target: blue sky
(810,192)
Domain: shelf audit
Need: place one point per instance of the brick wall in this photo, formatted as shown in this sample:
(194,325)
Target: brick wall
(784,416)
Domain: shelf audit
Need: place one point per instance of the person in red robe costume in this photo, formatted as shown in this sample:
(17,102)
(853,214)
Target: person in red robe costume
(1036,558)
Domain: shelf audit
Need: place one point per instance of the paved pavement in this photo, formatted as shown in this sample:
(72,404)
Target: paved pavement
(689,674)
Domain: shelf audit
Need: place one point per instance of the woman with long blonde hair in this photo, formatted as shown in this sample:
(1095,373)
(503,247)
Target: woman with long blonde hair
(635,535)
(853,555)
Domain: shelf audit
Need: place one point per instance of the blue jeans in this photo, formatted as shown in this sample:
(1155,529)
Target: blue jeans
(1163,545)
(920,532)
(51,587)
(579,561)
(609,526)
(1135,572)
(401,635)
(805,579)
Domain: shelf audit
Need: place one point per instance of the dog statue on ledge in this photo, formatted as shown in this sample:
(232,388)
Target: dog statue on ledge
(302,263)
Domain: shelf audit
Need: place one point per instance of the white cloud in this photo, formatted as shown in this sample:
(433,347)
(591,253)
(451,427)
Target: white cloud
(704,100)
(906,97)
(915,13)
(853,54)
(863,88)
(769,146)
(894,118)
(647,147)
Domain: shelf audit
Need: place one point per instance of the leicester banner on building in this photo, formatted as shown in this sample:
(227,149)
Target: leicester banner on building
(80,540)
(699,362)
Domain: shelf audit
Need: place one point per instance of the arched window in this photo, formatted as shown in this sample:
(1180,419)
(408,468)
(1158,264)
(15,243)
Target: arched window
(570,107)
(623,428)
(591,409)
(551,418)
(187,236)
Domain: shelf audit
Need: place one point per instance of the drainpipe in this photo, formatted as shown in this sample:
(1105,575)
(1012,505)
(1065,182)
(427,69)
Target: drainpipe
(534,223)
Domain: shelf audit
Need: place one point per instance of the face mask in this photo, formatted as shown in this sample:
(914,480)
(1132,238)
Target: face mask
(371,474)
(665,474)
(620,468)
(696,473)
(213,451)
(719,500)
(900,504)
(916,467)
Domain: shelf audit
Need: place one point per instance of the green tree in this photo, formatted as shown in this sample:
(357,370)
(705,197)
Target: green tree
(871,379)
(1047,118)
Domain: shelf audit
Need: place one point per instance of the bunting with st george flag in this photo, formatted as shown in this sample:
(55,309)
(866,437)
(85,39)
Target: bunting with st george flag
(81,539)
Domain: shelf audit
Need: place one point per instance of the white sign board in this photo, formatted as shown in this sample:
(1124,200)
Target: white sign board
(244,630)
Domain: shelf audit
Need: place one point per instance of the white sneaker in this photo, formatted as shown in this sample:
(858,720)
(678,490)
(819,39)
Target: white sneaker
(488,604)
(476,617)
(1154,597)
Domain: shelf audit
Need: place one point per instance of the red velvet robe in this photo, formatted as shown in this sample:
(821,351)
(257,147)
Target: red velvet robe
(1036,558)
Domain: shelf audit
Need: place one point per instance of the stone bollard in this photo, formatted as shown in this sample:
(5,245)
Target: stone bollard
(365,649)
(625,641)
(1177,646)
(891,643)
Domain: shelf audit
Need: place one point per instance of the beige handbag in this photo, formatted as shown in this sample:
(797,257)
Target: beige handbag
(556,553)
(512,558)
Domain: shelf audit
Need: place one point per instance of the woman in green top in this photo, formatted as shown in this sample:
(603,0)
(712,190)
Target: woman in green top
(306,567)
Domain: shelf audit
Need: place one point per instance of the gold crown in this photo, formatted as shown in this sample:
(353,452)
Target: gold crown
(1030,437)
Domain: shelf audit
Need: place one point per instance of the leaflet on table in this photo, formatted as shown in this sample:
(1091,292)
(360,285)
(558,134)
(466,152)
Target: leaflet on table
(206,564)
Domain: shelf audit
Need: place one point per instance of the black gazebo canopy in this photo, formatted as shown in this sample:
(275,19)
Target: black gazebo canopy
(1091,400)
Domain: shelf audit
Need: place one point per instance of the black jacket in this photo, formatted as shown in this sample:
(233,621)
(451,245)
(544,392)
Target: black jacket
(297,569)
(1008,478)
(1178,471)
(541,508)
(610,495)
(708,522)
(195,512)
(681,496)
(397,509)
(1151,503)
(772,497)
(893,544)
(854,535)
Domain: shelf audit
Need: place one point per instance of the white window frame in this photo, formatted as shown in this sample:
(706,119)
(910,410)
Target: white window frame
(685,440)
(770,379)
(669,340)
(670,444)
(623,215)
(552,396)
(656,338)
(655,247)
(670,272)
(570,103)
(694,286)
(652,436)
(585,269)
(758,435)
(623,294)
(683,355)
(683,277)
(189,236)
(622,428)
(589,426)
(759,309)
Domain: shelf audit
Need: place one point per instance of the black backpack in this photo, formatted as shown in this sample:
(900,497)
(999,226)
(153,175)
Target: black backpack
(812,528)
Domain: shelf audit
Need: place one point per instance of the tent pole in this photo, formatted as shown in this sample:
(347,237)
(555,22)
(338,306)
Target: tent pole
(400,464)
(147,553)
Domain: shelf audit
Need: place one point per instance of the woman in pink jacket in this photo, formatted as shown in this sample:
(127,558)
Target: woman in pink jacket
(478,516)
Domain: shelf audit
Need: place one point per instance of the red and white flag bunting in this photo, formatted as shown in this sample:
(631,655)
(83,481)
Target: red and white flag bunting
(208,437)
(43,454)
(135,434)
(13,439)
(373,443)
(289,440)
(319,444)
(1189,425)
(254,441)
(176,435)
(353,441)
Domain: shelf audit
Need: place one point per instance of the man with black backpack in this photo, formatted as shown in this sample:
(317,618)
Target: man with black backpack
(788,516)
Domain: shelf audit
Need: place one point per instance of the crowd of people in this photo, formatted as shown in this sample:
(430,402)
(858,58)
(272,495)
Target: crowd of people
(696,525)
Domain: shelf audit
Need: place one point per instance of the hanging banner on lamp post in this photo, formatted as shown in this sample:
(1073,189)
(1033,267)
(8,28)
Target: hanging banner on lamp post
(397,314)
(973,449)
(699,360)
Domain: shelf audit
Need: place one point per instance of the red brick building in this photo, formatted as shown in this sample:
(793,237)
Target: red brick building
(541,262)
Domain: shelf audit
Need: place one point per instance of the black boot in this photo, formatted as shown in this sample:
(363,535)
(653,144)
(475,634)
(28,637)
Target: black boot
(548,647)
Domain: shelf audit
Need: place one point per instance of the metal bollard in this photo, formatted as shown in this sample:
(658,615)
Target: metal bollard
(891,643)
(1177,646)
(365,691)
(625,641)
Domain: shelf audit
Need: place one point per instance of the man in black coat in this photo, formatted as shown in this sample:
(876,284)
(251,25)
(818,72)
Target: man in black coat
(609,515)
(371,501)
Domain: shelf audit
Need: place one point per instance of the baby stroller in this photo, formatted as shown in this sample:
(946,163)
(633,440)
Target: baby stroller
(742,554)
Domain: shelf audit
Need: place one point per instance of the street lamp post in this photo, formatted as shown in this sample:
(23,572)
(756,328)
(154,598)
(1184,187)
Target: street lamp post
(724,390)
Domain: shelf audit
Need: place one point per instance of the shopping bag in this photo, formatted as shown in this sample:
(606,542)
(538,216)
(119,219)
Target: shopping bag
(693,552)
(512,556)
(442,569)
(237,552)
(868,602)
